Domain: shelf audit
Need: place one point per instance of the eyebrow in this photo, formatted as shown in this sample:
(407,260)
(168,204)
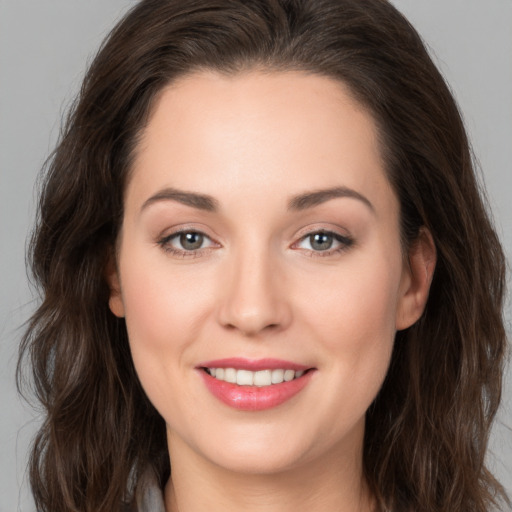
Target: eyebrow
(199,201)
(316,197)
(298,203)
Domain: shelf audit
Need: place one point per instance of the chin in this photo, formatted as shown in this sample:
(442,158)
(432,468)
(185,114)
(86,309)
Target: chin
(258,462)
(257,450)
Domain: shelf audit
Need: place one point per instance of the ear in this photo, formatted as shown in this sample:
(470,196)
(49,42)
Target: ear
(416,281)
(115,301)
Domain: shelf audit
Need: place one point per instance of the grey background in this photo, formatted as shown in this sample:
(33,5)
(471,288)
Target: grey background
(44,48)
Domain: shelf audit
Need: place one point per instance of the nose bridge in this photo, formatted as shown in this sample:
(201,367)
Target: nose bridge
(254,298)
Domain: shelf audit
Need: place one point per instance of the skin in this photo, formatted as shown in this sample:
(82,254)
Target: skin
(257,288)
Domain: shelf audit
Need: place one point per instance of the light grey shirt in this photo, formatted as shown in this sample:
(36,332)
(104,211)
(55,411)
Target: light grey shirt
(149,496)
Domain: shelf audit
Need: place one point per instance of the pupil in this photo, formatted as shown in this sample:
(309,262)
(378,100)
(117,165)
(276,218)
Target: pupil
(191,241)
(321,241)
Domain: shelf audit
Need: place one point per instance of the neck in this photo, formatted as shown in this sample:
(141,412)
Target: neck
(198,484)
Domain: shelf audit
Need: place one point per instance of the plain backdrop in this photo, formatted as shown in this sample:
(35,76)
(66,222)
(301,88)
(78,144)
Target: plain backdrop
(45,46)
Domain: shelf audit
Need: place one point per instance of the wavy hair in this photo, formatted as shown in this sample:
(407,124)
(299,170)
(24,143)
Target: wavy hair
(427,430)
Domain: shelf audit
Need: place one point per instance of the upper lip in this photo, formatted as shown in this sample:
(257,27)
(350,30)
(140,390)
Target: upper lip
(254,365)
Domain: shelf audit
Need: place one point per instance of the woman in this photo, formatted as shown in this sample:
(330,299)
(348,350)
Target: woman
(269,280)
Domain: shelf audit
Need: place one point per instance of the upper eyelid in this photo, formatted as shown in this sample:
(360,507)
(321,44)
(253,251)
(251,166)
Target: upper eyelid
(312,229)
(337,236)
(185,228)
(179,232)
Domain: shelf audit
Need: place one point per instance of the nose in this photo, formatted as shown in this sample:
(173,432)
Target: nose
(255,298)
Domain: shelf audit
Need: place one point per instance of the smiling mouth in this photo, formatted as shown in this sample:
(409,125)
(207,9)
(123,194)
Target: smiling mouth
(254,384)
(260,378)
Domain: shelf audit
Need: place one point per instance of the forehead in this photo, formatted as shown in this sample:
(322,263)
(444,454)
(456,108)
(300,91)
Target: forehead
(259,131)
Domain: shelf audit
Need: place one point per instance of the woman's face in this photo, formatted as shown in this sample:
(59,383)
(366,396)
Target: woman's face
(261,237)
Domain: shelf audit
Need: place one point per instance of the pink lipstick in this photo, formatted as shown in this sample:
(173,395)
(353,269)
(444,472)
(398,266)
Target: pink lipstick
(254,385)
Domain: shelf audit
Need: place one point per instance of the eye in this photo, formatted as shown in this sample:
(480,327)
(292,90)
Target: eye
(320,241)
(186,243)
(190,241)
(326,242)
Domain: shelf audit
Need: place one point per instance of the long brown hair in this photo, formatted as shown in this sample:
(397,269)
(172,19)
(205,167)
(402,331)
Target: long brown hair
(427,430)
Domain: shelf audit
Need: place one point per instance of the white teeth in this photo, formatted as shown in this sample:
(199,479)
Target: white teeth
(289,375)
(244,378)
(277,376)
(260,378)
(263,378)
(230,375)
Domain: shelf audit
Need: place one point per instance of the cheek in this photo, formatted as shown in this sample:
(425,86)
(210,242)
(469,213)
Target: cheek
(353,313)
(163,311)
(159,301)
(353,318)
(360,298)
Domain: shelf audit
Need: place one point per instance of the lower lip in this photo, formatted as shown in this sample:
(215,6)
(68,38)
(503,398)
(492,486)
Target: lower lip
(253,398)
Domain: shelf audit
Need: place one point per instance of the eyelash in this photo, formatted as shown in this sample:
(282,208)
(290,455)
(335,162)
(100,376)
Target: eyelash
(165,241)
(345,243)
